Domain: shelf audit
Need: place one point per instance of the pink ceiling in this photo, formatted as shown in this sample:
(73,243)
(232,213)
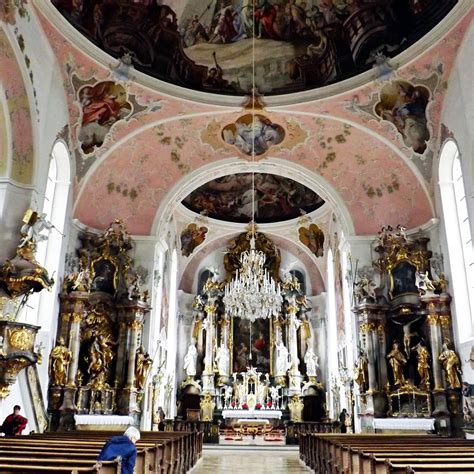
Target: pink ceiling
(19,112)
(340,139)
(376,185)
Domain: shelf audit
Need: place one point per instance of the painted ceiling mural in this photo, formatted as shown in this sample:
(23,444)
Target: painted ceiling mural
(208,45)
(230,198)
(358,142)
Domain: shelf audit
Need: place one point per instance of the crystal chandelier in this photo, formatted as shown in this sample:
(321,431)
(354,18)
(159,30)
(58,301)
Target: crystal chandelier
(253,293)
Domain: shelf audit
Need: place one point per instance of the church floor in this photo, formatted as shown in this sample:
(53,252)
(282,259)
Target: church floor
(244,460)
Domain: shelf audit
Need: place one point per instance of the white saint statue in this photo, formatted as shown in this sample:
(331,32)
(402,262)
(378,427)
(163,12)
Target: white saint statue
(190,359)
(283,362)
(311,361)
(223,359)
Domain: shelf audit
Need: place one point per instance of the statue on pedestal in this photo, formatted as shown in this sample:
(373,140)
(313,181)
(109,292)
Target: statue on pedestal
(190,359)
(283,362)
(423,365)
(59,360)
(223,359)
(311,361)
(361,371)
(451,365)
(397,361)
(143,364)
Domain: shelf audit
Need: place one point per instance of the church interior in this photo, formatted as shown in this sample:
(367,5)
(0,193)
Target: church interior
(238,224)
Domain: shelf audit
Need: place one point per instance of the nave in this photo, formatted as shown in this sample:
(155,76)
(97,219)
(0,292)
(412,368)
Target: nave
(278,459)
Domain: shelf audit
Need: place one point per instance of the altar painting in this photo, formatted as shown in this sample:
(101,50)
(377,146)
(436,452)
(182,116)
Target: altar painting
(402,279)
(251,338)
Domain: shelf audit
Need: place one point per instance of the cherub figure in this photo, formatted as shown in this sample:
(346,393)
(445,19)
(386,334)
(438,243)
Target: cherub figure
(424,284)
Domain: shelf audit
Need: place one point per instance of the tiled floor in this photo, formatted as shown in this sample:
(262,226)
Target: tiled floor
(249,461)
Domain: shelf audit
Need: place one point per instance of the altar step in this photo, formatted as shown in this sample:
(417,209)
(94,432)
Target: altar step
(251,448)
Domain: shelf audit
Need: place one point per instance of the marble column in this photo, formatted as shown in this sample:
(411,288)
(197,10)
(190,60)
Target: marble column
(294,374)
(369,329)
(435,342)
(76,304)
(134,328)
(208,374)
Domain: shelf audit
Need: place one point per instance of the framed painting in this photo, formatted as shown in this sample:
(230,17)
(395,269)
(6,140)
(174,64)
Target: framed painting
(403,278)
(252,345)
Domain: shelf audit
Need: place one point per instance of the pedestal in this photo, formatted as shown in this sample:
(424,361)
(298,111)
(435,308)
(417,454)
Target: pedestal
(69,399)
(127,401)
(208,383)
(295,384)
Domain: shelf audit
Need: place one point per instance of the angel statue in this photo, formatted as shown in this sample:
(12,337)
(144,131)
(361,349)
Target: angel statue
(365,288)
(34,224)
(424,284)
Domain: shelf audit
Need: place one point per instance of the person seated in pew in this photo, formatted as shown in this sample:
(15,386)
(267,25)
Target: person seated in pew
(14,423)
(122,447)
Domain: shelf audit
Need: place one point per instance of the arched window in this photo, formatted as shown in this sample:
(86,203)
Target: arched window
(458,236)
(49,252)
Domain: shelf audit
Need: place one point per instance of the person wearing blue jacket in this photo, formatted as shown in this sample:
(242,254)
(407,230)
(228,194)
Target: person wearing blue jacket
(122,447)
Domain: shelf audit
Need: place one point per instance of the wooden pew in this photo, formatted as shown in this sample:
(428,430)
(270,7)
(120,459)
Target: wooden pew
(367,454)
(182,449)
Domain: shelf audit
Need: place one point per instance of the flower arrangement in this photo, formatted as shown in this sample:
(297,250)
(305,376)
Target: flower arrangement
(245,406)
(258,406)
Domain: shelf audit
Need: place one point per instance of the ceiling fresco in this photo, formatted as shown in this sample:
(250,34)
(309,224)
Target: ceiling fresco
(230,198)
(297,45)
(355,144)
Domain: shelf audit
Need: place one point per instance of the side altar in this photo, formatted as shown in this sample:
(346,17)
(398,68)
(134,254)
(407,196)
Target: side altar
(252,366)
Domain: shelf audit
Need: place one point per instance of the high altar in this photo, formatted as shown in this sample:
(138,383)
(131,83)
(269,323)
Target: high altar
(240,371)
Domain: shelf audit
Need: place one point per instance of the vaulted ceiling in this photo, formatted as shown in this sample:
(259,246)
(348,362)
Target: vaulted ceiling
(366,145)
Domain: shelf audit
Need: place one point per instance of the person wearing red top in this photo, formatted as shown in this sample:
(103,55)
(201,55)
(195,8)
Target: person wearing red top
(14,424)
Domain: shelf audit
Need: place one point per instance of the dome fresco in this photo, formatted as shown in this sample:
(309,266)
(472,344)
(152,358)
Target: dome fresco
(208,46)
(229,198)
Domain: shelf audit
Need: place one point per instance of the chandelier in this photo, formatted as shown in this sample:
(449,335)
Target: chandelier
(253,293)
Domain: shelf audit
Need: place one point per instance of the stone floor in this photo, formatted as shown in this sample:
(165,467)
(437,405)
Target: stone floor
(249,460)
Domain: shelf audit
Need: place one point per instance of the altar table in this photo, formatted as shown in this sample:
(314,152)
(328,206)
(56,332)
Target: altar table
(404,425)
(252,414)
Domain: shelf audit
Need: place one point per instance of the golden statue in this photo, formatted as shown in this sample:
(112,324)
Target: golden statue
(58,363)
(100,355)
(142,366)
(451,365)
(361,371)
(423,366)
(397,361)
